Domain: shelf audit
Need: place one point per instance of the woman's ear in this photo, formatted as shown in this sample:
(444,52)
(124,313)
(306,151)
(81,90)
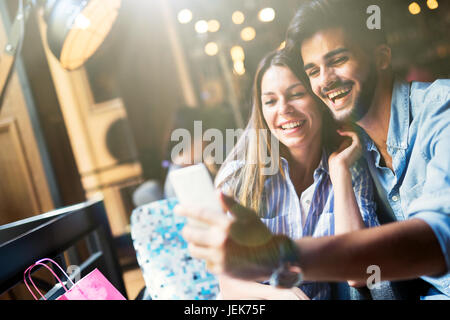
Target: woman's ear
(383,57)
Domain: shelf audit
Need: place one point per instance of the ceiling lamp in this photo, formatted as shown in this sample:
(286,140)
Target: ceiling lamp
(75,29)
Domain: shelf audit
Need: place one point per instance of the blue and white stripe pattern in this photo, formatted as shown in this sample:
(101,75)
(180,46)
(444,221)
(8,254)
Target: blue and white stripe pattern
(281,210)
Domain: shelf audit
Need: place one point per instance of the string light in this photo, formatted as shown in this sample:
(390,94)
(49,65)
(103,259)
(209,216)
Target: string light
(432,4)
(201,26)
(266,15)
(239,68)
(211,48)
(213,25)
(414,8)
(237,53)
(248,34)
(238,17)
(184,16)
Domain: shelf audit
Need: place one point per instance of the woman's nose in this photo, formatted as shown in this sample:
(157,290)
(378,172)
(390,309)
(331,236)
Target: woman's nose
(284,106)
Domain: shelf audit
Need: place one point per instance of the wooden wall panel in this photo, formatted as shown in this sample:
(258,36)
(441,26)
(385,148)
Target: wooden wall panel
(18,194)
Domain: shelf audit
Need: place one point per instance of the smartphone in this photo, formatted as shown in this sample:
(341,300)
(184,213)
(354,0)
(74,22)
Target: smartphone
(193,186)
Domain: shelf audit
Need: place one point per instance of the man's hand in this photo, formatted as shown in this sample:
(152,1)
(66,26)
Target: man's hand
(236,289)
(239,245)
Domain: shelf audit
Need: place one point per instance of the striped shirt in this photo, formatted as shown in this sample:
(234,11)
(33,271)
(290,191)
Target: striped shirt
(281,209)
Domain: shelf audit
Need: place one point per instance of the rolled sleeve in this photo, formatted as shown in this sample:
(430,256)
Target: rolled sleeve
(363,188)
(440,224)
(433,203)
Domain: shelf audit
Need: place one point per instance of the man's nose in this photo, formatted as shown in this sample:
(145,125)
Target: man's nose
(327,79)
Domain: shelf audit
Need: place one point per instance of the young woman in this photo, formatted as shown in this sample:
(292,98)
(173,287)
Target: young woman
(319,187)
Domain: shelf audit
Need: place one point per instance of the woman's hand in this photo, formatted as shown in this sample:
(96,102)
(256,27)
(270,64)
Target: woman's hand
(348,152)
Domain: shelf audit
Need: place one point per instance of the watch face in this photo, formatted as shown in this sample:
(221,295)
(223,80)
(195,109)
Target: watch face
(286,277)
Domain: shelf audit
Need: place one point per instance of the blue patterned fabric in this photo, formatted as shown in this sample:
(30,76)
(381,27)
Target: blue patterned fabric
(170,273)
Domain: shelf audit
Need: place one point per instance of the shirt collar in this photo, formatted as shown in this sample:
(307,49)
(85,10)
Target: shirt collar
(400,116)
(398,121)
(322,167)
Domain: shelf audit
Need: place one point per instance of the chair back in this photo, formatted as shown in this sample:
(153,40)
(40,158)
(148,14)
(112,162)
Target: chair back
(56,235)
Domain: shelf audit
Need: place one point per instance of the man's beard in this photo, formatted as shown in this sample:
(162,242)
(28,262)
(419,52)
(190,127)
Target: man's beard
(364,100)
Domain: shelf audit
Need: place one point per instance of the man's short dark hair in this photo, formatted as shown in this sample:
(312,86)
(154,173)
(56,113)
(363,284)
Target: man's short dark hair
(351,15)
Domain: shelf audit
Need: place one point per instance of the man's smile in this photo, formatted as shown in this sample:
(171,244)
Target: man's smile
(338,96)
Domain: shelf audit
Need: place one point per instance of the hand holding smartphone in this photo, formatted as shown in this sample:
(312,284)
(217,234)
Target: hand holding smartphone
(193,187)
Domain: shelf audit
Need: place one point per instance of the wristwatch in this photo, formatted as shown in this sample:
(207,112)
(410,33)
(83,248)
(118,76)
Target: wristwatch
(288,274)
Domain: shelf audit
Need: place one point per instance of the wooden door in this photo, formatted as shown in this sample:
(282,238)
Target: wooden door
(24,182)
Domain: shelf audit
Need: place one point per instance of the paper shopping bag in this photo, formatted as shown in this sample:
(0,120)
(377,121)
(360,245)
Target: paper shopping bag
(94,286)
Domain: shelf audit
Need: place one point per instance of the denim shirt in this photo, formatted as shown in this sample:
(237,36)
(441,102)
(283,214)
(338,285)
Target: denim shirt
(419,143)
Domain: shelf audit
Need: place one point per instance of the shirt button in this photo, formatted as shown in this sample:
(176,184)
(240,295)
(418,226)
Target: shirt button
(395,198)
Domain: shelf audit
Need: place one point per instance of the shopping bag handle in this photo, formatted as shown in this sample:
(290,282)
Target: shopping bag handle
(39,262)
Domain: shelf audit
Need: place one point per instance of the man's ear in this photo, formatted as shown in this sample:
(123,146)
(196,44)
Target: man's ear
(383,57)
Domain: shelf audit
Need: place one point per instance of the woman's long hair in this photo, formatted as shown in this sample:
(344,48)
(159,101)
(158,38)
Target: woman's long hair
(255,146)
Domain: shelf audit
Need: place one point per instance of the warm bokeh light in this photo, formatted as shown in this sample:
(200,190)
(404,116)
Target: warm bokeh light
(414,8)
(184,16)
(266,15)
(238,17)
(211,48)
(237,53)
(432,4)
(213,25)
(81,22)
(248,34)
(282,45)
(201,26)
(239,68)
(443,51)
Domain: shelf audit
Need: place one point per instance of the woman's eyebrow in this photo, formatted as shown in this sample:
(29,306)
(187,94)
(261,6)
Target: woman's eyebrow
(294,86)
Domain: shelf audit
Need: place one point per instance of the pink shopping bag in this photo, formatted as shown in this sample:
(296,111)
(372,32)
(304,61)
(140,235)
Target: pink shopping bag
(94,286)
